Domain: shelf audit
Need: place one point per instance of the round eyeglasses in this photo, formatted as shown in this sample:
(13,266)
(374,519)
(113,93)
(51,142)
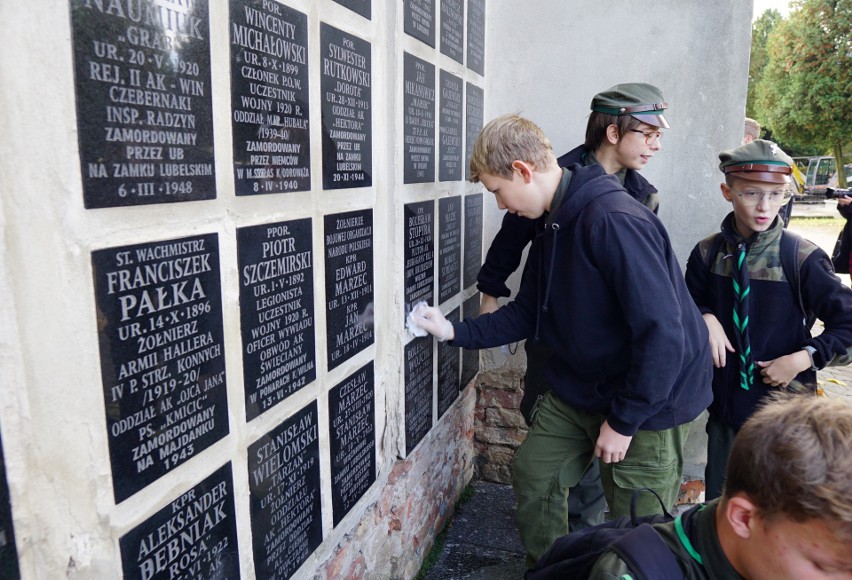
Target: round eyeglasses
(651,137)
(777,198)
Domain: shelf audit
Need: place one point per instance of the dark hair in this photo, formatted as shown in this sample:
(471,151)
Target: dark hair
(598,123)
(793,459)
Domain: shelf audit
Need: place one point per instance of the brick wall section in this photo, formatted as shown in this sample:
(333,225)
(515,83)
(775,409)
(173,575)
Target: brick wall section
(500,429)
(397,531)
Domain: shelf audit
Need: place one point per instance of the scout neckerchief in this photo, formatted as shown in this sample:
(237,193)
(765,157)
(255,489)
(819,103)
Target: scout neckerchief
(741,299)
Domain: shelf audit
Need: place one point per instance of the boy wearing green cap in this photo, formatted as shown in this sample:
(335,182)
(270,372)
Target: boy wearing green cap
(623,133)
(751,309)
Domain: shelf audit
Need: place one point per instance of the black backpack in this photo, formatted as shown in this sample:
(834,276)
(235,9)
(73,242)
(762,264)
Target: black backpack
(789,263)
(632,538)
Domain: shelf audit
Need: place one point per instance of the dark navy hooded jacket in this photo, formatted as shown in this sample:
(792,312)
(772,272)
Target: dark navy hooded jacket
(603,289)
(507,248)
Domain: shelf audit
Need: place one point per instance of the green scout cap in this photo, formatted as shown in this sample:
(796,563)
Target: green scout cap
(760,160)
(639,100)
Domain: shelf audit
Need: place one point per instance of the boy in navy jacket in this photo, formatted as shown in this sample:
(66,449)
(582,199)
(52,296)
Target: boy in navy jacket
(630,368)
(622,144)
(749,305)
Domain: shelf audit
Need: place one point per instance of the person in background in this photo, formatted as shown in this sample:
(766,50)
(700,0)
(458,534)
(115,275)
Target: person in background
(842,256)
(741,289)
(630,369)
(785,513)
(607,144)
(752,131)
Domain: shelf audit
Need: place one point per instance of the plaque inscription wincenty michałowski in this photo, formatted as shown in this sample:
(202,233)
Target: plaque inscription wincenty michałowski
(269,97)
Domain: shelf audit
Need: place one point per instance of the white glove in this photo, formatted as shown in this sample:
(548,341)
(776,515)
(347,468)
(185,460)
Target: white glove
(429,319)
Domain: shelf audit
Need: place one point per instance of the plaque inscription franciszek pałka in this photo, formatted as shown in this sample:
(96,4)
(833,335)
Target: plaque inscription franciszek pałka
(159,315)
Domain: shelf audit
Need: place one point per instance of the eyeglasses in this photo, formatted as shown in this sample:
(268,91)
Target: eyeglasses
(777,198)
(651,137)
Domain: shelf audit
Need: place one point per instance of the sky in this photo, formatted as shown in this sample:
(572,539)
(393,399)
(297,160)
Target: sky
(761,6)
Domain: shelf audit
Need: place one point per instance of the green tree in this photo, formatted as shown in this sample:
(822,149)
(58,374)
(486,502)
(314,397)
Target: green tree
(804,92)
(759,36)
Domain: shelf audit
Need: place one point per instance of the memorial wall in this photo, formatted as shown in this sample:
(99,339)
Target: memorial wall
(216,218)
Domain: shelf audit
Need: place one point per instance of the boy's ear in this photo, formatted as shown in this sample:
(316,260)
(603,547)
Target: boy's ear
(741,515)
(726,192)
(524,169)
(612,134)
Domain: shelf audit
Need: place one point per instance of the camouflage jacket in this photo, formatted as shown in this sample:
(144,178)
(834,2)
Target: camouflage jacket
(775,327)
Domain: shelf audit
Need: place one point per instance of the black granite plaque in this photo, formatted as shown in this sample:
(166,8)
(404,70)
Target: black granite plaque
(418,120)
(348,284)
(470,358)
(269,97)
(347,133)
(195,536)
(419,20)
(144,114)
(472,238)
(361,7)
(418,391)
(452,29)
(450,131)
(159,315)
(352,432)
(284,489)
(419,252)
(449,247)
(476,36)
(8,552)
(276,311)
(448,371)
(474,117)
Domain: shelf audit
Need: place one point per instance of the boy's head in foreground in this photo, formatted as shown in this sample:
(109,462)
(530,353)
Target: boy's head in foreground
(757,183)
(625,127)
(514,160)
(786,511)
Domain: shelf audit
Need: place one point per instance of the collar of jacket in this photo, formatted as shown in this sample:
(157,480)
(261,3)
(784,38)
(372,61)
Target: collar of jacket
(759,241)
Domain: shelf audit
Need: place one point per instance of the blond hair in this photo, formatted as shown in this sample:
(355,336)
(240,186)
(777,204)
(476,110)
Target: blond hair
(507,139)
(793,459)
(752,128)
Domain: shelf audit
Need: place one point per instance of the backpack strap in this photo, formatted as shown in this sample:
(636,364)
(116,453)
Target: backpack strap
(647,555)
(713,250)
(792,271)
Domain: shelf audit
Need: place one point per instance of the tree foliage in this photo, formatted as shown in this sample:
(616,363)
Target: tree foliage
(760,31)
(804,92)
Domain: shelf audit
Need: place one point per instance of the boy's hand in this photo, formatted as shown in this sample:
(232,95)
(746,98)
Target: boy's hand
(611,446)
(488,304)
(782,370)
(430,319)
(719,342)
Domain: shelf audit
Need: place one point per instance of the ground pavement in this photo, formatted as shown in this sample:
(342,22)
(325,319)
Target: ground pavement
(482,542)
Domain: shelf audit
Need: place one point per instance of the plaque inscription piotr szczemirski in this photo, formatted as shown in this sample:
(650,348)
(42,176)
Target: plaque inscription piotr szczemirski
(269,98)
(195,536)
(276,311)
(419,252)
(144,113)
(348,284)
(449,247)
(418,391)
(352,432)
(159,316)
(284,495)
(418,90)
(345,88)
